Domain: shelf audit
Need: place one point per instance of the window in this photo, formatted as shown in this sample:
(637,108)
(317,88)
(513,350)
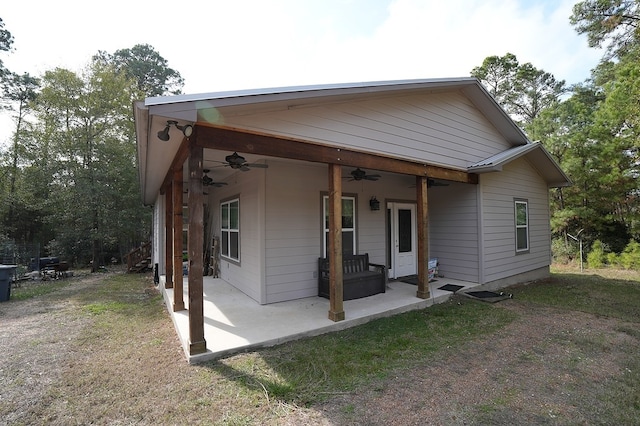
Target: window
(348,225)
(522,226)
(230,229)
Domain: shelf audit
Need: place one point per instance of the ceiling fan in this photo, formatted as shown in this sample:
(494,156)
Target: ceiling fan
(359,174)
(207,181)
(238,162)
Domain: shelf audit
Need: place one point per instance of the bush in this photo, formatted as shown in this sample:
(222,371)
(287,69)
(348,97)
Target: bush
(562,252)
(630,257)
(613,259)
(596,257)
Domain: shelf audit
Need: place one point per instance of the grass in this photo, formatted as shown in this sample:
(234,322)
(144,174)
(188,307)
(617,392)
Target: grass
(128,366)
(30,289)
(599,294)
(308,371)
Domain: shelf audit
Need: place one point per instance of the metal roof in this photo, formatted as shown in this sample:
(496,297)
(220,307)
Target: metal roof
(534,151)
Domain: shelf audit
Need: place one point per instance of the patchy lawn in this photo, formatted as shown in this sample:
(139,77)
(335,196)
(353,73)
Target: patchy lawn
(101,349)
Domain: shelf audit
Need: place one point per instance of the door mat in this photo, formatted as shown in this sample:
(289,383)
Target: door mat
(488,296)
(451,287)
(412,279)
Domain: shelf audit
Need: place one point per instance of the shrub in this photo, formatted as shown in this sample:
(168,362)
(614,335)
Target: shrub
(613,259)
(596,257)
(630,257)
(562,252)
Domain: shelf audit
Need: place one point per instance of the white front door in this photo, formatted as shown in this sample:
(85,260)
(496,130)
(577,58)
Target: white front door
(403,239)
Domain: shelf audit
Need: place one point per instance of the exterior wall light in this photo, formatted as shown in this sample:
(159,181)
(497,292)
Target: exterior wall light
(374,203)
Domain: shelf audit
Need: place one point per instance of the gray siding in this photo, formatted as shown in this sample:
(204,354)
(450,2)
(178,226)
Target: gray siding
(453,230)
(518,180)
(293,238)
(444,129)
(249,275)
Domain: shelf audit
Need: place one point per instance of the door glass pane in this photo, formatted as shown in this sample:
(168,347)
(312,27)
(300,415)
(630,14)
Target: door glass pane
(404,231)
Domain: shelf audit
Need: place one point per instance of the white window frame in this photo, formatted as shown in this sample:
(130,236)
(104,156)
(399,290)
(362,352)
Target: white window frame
(325,224)
(226,230)
(521,226)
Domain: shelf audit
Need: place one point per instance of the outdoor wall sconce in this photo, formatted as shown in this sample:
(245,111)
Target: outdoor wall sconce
(187,130)
(374,203)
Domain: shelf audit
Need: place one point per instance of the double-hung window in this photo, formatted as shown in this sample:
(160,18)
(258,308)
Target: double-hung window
(348,225)
(230,229)
(522,226)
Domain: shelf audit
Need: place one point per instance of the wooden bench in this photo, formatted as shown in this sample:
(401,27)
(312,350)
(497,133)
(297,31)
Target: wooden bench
(359,277)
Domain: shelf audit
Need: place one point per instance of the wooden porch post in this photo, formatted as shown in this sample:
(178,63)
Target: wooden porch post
(336,302)
(168,237)
(176,184)
(423,237)
(197,344)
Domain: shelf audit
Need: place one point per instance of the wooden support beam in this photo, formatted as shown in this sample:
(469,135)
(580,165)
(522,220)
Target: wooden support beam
(336,302)
(423,237)
(241,140)
(178,288)
(168,237)
(197,343)
(178,161)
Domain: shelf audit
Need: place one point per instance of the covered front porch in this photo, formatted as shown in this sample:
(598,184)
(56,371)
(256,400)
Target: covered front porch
(233,322)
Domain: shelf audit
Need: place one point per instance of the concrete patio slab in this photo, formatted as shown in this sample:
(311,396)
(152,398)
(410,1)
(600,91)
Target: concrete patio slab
(233,322)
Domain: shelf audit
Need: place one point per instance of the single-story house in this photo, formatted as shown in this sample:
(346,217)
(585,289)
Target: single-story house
(256,186)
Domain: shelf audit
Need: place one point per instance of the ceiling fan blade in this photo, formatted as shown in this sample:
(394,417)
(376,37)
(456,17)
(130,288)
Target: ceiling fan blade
(257,165)
(372,177)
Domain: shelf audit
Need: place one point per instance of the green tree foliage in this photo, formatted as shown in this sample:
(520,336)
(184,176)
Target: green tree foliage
(521,89)
(6,41)
(611,22)
(143,65)
(86,121)
(20,212)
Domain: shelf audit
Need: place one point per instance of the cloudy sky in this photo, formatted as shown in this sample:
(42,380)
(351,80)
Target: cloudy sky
(219,45)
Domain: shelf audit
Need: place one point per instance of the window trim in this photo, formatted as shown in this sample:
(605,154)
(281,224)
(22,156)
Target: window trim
(518,202)
(324,206)
(228,257)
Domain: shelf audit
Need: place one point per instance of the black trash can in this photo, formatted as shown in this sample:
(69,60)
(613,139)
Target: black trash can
(6,276)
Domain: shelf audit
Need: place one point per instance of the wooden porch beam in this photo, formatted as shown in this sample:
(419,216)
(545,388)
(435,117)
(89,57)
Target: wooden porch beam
(214,137)
(197,343)
(168,237)
(336,302)
(178,288)
(423,237)
(178,161)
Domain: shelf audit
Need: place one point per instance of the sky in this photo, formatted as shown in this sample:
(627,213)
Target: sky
(220,45)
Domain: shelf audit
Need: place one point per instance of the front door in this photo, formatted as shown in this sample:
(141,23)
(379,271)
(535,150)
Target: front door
(402,239)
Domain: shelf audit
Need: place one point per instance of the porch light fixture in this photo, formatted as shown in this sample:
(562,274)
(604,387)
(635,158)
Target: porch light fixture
(374,203)
(187,130)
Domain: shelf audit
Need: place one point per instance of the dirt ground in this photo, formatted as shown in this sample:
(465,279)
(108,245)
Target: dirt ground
(528,374)
(546,367)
